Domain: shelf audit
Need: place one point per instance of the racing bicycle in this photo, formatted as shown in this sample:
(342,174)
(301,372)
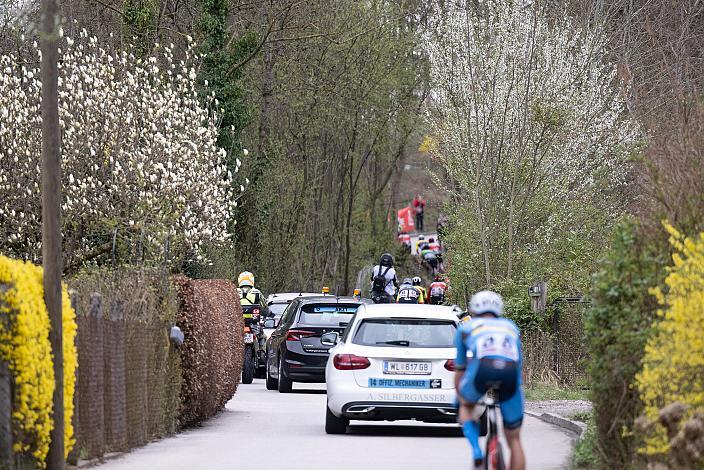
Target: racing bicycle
(493,456)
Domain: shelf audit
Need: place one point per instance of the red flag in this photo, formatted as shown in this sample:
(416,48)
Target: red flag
(405,220)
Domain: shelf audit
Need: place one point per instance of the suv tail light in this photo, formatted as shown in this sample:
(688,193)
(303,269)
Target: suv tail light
(296,335)
(255,311)
(450,365)
(350,362)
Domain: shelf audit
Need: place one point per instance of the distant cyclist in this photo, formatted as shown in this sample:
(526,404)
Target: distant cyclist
(421,241)
(438,291)
(418,284)
(408,294)
(430,259)
(384,280)
(433,245)
(489,356)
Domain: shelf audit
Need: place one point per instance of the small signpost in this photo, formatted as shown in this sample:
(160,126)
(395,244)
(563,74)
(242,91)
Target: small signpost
(538,297)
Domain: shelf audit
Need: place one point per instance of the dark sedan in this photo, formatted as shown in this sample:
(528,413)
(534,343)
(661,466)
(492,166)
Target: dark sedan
(294,351)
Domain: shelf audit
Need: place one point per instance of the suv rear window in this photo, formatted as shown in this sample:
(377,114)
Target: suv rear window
(327,314)
(414,333)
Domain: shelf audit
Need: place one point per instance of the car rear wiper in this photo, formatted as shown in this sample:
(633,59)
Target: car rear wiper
(396,342)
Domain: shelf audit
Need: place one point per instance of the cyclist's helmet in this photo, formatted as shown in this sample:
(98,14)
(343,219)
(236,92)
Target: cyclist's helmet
(421,237)
(386,260)
(417,281)
(245,279)
(408,281)
(431,240)
(438,278)
(487,301)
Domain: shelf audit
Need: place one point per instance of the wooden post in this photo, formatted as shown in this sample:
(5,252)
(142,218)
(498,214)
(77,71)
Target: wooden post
(5,415)
(6,402)
(51,217)
(73,455)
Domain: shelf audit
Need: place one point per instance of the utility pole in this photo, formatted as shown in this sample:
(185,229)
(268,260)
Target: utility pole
(51,217)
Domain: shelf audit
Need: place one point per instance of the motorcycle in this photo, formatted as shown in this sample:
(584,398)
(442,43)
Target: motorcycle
(254,359)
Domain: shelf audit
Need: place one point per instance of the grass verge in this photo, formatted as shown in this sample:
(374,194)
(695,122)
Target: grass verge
(584,456)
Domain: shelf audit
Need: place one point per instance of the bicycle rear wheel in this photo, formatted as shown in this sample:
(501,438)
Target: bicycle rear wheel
(494,457)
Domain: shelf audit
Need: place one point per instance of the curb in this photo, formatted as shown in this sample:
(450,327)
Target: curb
(574,426)
(98,460)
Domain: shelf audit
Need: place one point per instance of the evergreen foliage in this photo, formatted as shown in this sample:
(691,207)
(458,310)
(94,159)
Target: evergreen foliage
(617,328)
(220,74)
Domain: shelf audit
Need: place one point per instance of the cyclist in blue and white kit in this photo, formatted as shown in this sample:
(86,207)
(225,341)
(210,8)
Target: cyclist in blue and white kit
(489,354)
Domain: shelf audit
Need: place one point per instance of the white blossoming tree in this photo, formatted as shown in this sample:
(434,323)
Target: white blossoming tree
(528,125)
(140,164)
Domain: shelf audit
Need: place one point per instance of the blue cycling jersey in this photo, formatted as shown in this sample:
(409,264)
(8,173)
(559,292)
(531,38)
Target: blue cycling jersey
(490,351)
(491,338)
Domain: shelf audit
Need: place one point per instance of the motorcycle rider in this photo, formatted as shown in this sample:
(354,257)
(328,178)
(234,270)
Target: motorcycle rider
(384,280)
(408,293)
(249,295)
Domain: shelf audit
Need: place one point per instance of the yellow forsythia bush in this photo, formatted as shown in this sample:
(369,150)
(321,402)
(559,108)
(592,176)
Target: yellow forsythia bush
(673,365)
(24,344)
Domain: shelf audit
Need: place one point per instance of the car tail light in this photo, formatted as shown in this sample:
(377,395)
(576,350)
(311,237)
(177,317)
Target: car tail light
(247,329)
(296,335)
(350,362)
(255,311)
(450,365)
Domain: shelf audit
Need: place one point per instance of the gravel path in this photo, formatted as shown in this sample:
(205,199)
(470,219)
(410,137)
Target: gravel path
(566,408)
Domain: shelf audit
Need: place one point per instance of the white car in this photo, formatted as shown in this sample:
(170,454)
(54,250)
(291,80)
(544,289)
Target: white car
(393,362)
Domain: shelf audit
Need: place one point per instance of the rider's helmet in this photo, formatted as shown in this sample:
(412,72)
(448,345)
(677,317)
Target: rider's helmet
(486,301)
(408,281)
(438,278)
(417,281)
(421,237)
(431,240)
(245,279)
(386,260)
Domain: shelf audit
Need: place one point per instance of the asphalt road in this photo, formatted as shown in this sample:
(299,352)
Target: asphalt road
(262,429)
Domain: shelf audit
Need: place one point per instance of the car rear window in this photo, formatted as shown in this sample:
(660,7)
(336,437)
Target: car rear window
(413,333)
(327,314)
(277,309)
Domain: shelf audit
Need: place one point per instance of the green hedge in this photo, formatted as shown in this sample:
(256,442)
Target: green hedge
(617,327)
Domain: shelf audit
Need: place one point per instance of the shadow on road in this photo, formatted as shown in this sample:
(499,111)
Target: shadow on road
(309,391)
(404,431)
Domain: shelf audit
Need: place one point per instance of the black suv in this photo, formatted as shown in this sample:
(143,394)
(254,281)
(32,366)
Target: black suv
(293,350)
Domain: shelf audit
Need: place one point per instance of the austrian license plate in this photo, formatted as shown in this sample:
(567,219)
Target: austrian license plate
(404,383)
(246,315)
(248,338)
(407,368)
